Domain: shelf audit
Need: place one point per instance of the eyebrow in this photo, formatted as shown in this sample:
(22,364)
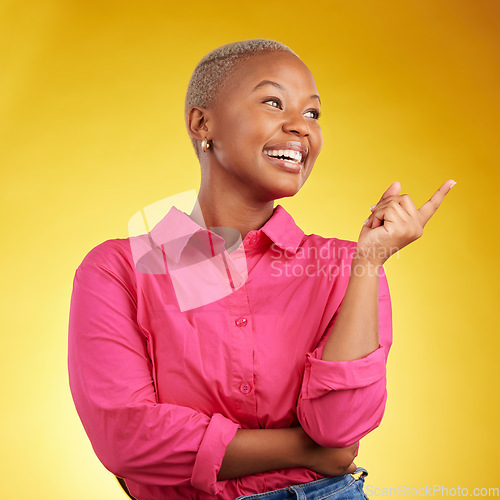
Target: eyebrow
(278,86)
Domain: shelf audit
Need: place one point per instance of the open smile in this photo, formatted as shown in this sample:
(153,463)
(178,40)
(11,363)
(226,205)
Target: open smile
(289,156)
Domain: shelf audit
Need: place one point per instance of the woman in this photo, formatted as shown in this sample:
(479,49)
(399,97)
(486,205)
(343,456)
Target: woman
(207,365)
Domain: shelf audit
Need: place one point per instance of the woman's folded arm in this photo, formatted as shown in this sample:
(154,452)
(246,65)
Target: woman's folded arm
(111,381)
(343,392)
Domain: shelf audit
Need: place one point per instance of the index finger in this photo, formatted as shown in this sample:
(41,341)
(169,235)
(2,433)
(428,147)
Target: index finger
(428,209)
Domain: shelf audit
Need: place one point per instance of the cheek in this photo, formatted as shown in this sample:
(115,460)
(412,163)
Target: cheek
(242,128)
(317,140)
(239,139)
(256,127)
(320,137)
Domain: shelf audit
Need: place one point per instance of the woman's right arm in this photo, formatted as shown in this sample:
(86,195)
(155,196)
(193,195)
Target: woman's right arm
(110,374)
(133,435)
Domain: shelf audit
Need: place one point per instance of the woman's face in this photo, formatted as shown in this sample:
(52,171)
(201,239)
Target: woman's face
(264,127)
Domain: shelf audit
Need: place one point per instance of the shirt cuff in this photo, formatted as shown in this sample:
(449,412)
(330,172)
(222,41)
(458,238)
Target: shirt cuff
(219,434)
(325,376)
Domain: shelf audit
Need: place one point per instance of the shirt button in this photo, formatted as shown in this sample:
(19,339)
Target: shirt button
(241,322)
(252,239)
(245,388)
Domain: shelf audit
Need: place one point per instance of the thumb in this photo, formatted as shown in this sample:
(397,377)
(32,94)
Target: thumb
(393,190)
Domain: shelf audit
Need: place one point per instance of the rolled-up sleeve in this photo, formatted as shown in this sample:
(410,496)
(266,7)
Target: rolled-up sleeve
(112,384)
(342,401)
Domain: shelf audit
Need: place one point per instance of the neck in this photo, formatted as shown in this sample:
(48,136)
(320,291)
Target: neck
(230,209)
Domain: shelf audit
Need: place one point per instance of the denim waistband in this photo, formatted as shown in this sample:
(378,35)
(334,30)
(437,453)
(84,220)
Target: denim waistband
(348,486)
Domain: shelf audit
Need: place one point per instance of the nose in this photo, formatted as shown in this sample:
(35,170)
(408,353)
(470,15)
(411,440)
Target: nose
(295,123)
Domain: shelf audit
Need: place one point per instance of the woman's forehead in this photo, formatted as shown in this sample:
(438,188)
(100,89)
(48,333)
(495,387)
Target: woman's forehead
(279,67)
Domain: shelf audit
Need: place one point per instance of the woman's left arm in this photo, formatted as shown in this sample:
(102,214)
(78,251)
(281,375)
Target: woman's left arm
(344,389)
(343,396)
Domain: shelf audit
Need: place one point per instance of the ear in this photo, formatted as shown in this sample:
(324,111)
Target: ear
(197,123)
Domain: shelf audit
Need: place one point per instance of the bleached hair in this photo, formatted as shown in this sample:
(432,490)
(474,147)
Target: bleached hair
(213,71)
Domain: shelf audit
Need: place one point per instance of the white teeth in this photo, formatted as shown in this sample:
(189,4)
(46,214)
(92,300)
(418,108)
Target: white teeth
(295,156)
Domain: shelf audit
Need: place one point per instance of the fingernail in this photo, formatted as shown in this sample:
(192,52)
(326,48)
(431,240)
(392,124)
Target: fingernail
(366,222)
(371,208)
(454,182)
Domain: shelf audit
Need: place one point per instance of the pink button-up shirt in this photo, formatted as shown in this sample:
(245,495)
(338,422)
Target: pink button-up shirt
(162,385)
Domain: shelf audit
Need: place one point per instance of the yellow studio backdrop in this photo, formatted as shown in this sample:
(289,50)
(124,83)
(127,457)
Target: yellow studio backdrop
(92,130)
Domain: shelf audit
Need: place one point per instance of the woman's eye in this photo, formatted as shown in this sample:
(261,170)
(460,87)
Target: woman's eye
(275,103)
(312,113)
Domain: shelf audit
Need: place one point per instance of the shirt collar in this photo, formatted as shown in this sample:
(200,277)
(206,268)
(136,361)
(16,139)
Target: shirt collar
(175,230)
(283,231)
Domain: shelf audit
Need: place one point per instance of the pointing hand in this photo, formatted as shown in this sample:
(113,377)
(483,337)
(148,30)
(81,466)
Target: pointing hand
(395,222)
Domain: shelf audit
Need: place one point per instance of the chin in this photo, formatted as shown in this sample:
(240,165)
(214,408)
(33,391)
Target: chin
(284,190)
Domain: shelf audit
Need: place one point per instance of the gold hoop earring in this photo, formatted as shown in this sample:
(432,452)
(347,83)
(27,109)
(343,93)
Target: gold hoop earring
(205,145)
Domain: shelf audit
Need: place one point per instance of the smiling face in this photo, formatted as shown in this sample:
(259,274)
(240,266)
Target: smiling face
(264,127)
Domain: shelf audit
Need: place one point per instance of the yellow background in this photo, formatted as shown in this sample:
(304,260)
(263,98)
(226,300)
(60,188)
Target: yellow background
(91,131)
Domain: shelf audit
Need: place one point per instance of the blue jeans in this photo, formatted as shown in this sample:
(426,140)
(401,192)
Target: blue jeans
(344,487)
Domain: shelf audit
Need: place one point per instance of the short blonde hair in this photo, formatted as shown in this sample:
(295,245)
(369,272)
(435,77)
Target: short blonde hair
(213,70)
